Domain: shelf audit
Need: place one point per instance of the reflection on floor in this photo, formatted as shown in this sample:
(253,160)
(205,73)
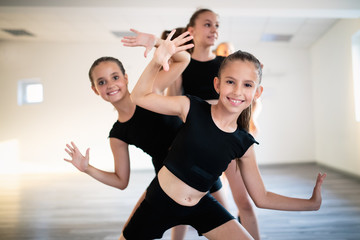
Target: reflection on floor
(74,206)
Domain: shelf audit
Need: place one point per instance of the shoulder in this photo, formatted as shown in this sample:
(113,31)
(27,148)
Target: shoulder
(196,100)
(219,59)
(117,130)
(246,138)
(197,106)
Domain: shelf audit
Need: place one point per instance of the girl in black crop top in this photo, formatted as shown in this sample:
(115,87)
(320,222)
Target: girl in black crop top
(150,131)
(197,80)
(238,85)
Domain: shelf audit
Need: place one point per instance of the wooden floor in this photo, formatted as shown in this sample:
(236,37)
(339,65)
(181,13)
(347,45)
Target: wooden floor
(76,207)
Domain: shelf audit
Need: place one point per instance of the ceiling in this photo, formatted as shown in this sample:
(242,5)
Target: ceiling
(241,22)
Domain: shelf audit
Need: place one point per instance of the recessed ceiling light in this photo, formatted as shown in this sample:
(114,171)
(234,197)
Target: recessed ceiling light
(121,34)
(18,32)
(268,37)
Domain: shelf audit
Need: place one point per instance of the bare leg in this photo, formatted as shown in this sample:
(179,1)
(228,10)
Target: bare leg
(178,232)
(242,200)
(231,230)
(220,196)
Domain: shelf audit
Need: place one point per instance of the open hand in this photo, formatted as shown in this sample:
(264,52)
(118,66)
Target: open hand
(316,196)
(77,159)
(169,47)
(140,40)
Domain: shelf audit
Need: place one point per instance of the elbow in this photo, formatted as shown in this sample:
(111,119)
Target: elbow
(122,185)
(261,201)
(259,204)
(316,207)
(138,98)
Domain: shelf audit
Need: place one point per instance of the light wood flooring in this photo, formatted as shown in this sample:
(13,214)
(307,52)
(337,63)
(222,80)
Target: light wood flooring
(76,207)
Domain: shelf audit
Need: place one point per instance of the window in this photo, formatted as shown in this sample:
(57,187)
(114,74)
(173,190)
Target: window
(356,72)
(30,91)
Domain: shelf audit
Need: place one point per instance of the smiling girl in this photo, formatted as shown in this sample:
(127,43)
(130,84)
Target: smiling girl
(147,130)
(211,137)
(197,80)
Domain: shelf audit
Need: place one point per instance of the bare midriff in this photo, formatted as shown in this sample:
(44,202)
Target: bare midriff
(177,190)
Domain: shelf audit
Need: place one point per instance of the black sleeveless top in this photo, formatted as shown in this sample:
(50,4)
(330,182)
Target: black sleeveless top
(198,78)
(149,131)
(201,151)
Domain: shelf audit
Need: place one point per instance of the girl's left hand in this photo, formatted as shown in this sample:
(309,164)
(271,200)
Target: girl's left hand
(316,196)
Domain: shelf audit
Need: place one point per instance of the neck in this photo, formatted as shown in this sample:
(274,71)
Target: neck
(125,108)
(201,53)
(225,120)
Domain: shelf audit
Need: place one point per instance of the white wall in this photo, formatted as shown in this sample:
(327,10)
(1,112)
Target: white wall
(337,132)
(286,120)
(33,137)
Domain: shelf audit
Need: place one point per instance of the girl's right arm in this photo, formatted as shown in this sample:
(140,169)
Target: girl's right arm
(143,94)
(119,178)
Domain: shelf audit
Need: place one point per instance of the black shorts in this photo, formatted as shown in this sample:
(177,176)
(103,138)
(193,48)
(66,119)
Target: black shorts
(158,212)
(217,186)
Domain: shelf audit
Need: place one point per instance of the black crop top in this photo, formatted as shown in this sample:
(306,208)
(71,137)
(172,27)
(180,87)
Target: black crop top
(201,151)
(149,131)
(198,78)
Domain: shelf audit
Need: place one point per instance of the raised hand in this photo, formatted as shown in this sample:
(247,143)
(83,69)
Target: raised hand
(140,40)
(169,47)
(77,159)
(316,196)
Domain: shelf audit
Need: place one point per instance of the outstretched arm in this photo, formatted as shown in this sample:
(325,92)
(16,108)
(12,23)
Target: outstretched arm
(118,179)
(269,200)
(143,94)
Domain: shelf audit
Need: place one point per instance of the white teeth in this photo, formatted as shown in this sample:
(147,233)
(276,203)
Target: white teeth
(235,101)
(113,92)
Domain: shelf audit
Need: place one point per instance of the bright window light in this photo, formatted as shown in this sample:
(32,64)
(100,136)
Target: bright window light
(30,91)
(356,72)
(34,93)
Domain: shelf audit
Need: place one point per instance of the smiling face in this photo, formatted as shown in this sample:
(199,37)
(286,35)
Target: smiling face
(205,29)
(238,85)
(109,82)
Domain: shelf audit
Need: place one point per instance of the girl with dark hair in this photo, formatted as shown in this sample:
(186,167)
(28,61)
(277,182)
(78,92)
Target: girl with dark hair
(211,137)
(147,130)
(197,80)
